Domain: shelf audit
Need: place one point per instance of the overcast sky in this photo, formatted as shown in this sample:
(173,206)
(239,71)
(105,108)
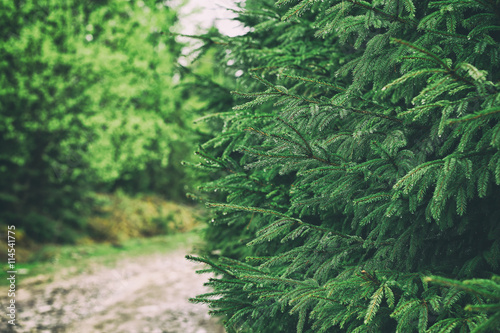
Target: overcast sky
(198,15)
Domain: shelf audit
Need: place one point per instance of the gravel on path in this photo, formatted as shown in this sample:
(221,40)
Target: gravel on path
(139,295)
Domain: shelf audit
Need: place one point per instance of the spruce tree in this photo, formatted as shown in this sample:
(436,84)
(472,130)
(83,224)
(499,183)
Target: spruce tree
(358,185)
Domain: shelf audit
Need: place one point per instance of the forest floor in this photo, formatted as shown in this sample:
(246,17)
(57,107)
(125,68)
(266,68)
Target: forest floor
(138,294)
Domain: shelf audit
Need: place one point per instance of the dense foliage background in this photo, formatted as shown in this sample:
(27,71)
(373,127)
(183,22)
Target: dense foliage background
(365,163)
(90,101)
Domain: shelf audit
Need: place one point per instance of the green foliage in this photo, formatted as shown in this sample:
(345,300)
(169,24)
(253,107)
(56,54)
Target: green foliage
(88,101)
(489,290)
(139,121)
(121,217)
(365,159)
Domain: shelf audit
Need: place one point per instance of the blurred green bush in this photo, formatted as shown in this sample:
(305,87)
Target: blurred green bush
(122,217)
(89,101)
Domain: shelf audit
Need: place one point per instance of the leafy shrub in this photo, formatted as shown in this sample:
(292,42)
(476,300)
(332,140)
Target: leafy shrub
(87,102)
(121,217)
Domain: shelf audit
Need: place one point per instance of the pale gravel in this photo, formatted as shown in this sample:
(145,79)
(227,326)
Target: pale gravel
(139,295)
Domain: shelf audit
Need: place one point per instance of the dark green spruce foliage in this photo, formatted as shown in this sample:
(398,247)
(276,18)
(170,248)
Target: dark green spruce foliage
(365,160)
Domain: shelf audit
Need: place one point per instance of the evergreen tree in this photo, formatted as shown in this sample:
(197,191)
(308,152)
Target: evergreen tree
(365,164)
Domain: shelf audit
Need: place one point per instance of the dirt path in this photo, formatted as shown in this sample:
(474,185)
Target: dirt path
(138,296)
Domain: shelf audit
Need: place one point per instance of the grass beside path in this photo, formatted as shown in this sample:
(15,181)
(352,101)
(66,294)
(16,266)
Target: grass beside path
(61,261)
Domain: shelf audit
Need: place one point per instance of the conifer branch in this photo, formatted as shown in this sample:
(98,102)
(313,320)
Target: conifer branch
(389,157)
(241,268)
(371,198)
(484,113)
(446,34)
(203,153)
(255,69)
(328,299)
(436,59)
(271,260)
(340,89)
(374,305)
(337,136)
(288,156)
(273,279)
(483,308)
(281,92)
(297,9)
(284,93)
(262,231)
(329,231)
(250,209)
(314,157)
(369,277)
(309,149)
(276,137)
(467,154)
(415,170)
(467,286)
(212,280)
(439,104)
(381,12)
(373,114)
(259,94)
(295,220)
(211,264)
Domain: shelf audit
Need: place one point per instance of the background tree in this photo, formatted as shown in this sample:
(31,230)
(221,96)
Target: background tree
(366,160)
(88,102)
